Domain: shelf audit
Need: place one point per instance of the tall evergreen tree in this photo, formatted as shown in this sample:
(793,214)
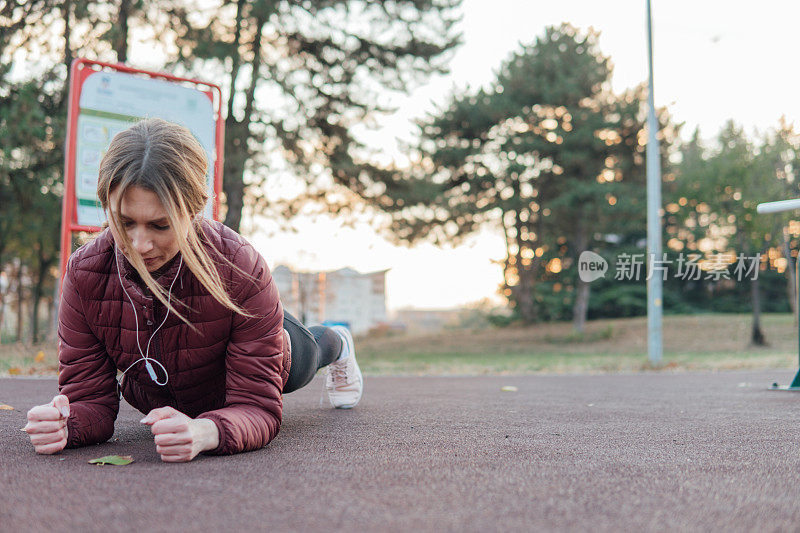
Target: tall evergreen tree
(300,78)
(780,153)
(720,188)
(32,122)
(546,153)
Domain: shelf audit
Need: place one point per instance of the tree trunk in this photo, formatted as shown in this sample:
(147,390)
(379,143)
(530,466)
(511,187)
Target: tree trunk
(580,308)
(524,288)
(233,184)
(121,42)
(236,59)
(52,320)
(523,306)
(757,337)
(44,265)
(37,297)
(2,313)
(237,135)
(525,303)
(66,14)
(20,294)
(791,277)
(3,289)
(3,304)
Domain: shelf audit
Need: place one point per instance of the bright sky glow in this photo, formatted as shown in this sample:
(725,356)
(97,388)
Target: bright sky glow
(713,61)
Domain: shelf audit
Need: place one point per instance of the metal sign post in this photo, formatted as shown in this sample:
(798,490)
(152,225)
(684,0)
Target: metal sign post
(777,207)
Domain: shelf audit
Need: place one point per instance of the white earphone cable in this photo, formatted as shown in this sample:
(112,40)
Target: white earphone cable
(145,355)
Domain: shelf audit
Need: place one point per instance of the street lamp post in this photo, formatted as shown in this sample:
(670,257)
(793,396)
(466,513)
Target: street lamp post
(654,282)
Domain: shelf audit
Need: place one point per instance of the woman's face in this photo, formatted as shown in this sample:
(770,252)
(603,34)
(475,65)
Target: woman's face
(144,219)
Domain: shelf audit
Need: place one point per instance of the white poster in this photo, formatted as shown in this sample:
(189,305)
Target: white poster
(110,102)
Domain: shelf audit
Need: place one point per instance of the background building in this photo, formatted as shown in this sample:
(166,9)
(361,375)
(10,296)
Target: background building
(341,296)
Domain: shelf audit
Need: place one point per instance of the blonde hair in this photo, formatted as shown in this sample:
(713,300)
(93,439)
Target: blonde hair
(166,159)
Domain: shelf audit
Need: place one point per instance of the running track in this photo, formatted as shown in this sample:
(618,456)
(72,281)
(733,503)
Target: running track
(646,452)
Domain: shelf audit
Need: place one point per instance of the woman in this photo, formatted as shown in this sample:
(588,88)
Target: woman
(185,309)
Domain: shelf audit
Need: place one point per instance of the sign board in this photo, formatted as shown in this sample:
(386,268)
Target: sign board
(106,99)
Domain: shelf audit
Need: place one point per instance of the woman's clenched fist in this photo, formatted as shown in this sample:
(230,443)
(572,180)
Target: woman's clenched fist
(47,425)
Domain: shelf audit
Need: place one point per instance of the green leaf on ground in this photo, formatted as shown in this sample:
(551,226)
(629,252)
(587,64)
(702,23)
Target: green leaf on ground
(120,460)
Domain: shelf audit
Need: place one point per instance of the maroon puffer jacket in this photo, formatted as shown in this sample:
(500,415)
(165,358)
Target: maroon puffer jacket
(231,371)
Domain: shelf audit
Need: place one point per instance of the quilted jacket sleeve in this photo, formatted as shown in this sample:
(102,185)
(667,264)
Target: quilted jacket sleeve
(251,415)
(87,376)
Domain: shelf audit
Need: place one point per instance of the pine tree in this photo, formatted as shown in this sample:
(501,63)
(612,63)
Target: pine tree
(299,77)
(546,153)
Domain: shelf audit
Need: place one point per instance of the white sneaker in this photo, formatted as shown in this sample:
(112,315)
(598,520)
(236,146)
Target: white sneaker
(343,380)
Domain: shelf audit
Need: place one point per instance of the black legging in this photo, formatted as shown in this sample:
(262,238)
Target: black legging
(311,350)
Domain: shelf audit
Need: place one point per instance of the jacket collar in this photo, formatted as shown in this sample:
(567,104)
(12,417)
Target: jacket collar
(133,284)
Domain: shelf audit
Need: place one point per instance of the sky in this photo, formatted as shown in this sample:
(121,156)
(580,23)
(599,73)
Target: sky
(713,61)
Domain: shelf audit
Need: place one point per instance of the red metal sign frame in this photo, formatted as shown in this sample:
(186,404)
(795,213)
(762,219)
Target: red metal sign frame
(81,69)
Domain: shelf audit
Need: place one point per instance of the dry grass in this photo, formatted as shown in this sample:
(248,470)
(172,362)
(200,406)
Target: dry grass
(24,359)
(691,342)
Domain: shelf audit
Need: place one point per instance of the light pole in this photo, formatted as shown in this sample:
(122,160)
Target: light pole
(654,282)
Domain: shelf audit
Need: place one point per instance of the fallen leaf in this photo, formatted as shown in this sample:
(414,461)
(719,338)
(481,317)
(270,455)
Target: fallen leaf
(119,460)
(5,407)
(14,371)
(39,357)
(508,388)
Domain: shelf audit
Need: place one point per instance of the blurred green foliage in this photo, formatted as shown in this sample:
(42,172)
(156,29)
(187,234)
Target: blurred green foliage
(549,156)
(298,80)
